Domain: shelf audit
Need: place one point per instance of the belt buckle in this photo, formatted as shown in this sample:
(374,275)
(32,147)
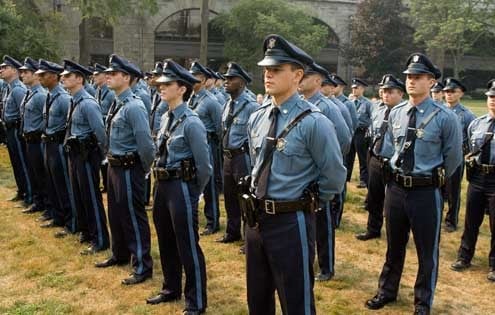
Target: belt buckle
(408,181)
(270,206)
(228,154)
(165,174)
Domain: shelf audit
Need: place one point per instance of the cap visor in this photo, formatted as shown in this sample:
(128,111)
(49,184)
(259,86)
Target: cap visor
(65,72)
(490,93)
(269,61)
(418,71)
(166,79)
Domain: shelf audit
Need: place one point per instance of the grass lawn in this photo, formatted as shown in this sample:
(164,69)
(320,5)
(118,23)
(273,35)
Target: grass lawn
(43,275)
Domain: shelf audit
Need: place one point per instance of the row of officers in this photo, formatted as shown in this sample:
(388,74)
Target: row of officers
(281,165)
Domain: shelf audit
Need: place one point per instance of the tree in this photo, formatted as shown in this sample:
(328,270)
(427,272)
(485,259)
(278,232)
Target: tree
(250,21)
(381,38)
(452,26)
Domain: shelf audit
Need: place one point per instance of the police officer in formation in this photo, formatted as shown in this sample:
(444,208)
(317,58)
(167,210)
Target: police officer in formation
(454,90)
(298,167)
(209,111)
(182,170)
(480,170)
(85,143)
(437,92)
(380,152)
(236,161)
(210,86)
(427,144)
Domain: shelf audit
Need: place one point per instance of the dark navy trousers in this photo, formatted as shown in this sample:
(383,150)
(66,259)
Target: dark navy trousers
(452,190)
(280,256)
(17,153)
(37,174)
(127,218)
(175,214)
(359,145)
(337,207)
(376,196)
(325,239)
(233,170)
(212,189)
(418,210)
(59,187)
(85,180)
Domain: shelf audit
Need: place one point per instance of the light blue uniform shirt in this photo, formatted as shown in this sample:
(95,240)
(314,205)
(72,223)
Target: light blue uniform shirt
(310,152)
(59,108)
(12,100)
(476,133)
(138,90)
(440,142)
(377,118)
(332,112)
(209,111)
(188,140)
(156,116)
(104,97)
(243,107)
(129,131)
(90,89)
(351,108)
(33,109)
(219,96)
(364,107)
(465,117)
(344,111)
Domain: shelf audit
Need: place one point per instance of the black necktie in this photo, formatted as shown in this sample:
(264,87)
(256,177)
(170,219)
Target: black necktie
(5,96)
(228,123)
(166,136)
(408,150)
(190,103)
(485,151)
(262,188)
(383,129)
(46,110)
(23,108)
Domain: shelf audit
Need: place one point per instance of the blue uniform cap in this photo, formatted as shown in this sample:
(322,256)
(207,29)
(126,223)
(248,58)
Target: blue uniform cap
(48,66)
(278,50)
(91,68)
(235,70)
(491,88)
(391,82)
(73,67)
(338,79)
(329,81)
(220,76)
(437,87)
(99,68)
(9,61)
(119,64)
(197,68)
(315,68)
(158,70)
(172,71)
(358,82)
(147,75)
(213,74)
(418,63)
(452,84)
(30,64)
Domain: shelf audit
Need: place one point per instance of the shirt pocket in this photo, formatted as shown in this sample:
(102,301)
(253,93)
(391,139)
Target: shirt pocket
(119,128)
(290,156)
(428,143)
(399,135)
(177,143)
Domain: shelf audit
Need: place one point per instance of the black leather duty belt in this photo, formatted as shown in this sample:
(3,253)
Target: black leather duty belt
(164,174)
(231,153)
(276,207)
(484,169)
(412,181)
(125,161)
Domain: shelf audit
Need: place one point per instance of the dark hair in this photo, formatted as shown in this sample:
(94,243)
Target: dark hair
(78,74)
(188,92)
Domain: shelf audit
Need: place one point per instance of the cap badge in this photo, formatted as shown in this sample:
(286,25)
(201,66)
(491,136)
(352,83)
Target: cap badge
(271,43)
(416,58)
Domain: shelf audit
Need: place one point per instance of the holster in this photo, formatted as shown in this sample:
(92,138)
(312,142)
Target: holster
(470,165)
(247,202)
(386,171)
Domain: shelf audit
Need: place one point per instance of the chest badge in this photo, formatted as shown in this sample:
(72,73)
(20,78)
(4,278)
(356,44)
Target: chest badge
(396,126)
(281,143)
(420,133)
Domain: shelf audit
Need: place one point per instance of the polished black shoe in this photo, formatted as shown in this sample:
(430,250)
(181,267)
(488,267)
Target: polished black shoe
(17,197)
(362,185)
(460,265)
(49,224)
(91,250)
(31,209)
(421,310)
(208,231)
(61,234)
(44,217)
(110,262)
(323,277)
(84,238)
(135,279)
(491,274)
(228,238)
(162,298)
(449,228)
(378,301)
(367,236)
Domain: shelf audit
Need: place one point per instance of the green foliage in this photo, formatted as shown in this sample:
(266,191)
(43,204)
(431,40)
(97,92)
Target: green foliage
(24,31)
(381,39)
(250,21)
(112,10)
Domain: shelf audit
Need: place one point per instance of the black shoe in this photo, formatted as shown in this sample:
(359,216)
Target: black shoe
(460,265)
(44,217)
(323,277)
(491,274)
(367,236)
(449,228)
(17,197)
(228,238)
(362,185)
(110,262)
(49,224)
(91,250)
(32,209)
(421,310)
(208,231)
(162,298)
(61,234)
(242,250)
(378,301)
(135,279)
(84,238)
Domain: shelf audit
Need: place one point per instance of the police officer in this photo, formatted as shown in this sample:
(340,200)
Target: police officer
(32,128)
(454,90)
(480,169)
(219,84)
(182,171)
(55,111)
(327,92)
(211,87)
(359,142)
(130,154)
(380,152)
(139,88)
(85,143)
(437,92)
(209,111)
(427,147)
(235,147)
(12,98)
(338,92)
(293,146)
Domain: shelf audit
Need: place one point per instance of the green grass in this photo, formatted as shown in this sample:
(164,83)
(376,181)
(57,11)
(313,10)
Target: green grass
(477,106)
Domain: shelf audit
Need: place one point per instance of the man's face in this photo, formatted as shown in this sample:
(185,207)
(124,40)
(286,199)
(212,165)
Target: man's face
(153,78)
(419,84)
(337,90)
(490,103)
(309,83)
(453,96)
(210,83)
(281,79)
(71,81)
(233,84)
(358,91)
(437,96)
(199,85)
(99,78)
(48,79)
(116,80)
(391,97)
(28,77)
(8,73)
(327,90)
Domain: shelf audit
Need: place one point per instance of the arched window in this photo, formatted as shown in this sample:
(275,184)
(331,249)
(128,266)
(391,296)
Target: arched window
(184,25)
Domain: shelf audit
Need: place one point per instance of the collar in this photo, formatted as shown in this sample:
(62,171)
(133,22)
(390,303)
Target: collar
(289,104)
(36,87)
(57,89)
(14,83)
(80,94)
(201,92)
(122,96)
(421,107)
(179,110)
(316,97)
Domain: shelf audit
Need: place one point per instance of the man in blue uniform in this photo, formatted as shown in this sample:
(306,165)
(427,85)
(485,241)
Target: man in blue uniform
(235,147)
(359,142)
(338,92)
(344,110)
(32,129)
(140,89)
(130,154)
(211,87)
(209,111)
(427,148)
(437,92)
(12,98)
(85,143)
(480,170)
(380,152)
(55,111)
(297,167)
(454,90)
(182,171)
